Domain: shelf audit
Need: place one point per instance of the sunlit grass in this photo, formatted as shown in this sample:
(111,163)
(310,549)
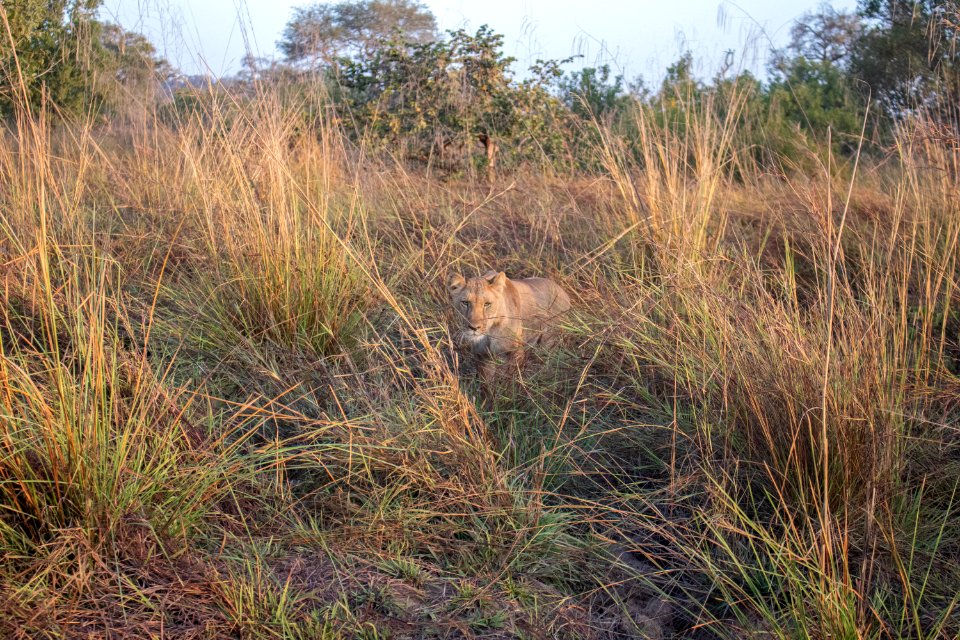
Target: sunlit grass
(228,397)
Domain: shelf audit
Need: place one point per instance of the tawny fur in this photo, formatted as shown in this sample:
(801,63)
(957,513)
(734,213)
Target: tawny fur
(500,317)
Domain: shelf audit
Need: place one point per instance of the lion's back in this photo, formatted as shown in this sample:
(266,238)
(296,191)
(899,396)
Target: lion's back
(543,297)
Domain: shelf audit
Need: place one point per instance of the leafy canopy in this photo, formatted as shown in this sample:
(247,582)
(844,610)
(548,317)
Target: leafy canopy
(320,33)
(53,44)
(593,92)
(61,54)
(439,96)
(907,53)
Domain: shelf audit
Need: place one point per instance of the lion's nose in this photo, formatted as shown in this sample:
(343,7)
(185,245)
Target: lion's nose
(474,326)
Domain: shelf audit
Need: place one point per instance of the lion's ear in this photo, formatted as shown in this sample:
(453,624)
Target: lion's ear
(456,283)
(495,279)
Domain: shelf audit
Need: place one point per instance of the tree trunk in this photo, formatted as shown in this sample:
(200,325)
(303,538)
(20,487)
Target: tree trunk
(490,146)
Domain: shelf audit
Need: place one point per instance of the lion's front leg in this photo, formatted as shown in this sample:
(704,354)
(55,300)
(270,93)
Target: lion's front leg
(487,370)
(499,371)
(514,362)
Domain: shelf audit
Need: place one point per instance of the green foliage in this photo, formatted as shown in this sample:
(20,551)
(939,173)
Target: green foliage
(810,97)
(592,92)
(813,98)
(825,35)
(679,80)
(129,65)
(54,43)
(439,100)
(907,54)
(322,32)
(62,55)
(593,96)
(439,97)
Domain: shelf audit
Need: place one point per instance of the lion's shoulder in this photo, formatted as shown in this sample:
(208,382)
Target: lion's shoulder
(538,295)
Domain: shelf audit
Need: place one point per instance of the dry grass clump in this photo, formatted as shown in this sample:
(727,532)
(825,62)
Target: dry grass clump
(802,389)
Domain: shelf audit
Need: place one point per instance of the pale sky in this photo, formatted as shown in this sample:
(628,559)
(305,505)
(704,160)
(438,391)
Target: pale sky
(638,37)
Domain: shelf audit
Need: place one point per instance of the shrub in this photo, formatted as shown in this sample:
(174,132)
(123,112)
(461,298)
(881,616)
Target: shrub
(439,98)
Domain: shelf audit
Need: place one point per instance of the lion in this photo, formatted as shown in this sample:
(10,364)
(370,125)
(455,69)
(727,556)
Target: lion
(501,317)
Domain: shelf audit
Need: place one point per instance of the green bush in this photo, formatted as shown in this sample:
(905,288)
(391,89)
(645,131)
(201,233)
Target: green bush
(438,99)
(62,55)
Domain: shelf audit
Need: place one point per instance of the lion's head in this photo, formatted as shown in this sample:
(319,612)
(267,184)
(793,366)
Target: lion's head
(479,304)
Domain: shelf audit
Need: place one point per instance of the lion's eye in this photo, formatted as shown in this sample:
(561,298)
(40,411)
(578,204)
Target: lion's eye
(487,305)
(465,303)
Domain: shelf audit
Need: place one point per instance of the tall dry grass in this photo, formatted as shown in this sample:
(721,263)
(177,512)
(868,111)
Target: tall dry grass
(803,325)
(230,405)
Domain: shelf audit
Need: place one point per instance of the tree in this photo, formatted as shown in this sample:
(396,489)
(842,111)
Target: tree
(54,44)
(679,92)
(906,54)
(323,32)
(811,91)
(61,54)
(129,65)
(825,36)
(592,93)
(816,96)
(679,79)
(436,97)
